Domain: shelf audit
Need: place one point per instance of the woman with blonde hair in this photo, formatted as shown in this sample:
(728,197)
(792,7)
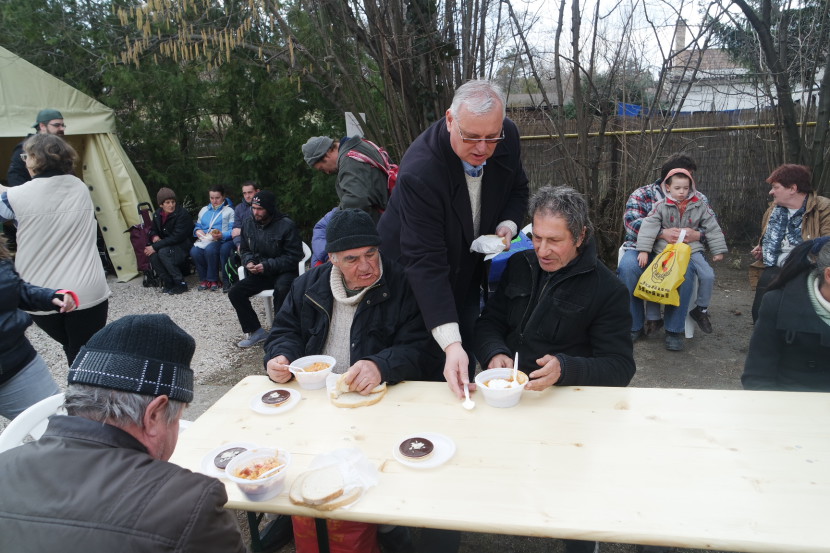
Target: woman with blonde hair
(57,240)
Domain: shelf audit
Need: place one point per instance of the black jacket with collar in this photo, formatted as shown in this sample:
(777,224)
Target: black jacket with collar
(387,327)
(581,316)
(177,230)
(428,223)
(790,345)
(276,244)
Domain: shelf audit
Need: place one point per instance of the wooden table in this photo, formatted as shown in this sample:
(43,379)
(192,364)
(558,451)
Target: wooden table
(709,469)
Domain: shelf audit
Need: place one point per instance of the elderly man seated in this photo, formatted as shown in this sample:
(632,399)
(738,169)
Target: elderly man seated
(98,479)
(560,308)
(359,309)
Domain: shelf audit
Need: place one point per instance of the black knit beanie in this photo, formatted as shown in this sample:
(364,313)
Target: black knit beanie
(349,229)
(267,201)
(143,354)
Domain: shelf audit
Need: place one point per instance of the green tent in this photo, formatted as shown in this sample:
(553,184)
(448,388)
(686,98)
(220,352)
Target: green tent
(114,184)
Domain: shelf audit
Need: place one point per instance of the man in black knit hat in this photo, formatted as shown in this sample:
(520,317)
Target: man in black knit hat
(98,479)
(271,250)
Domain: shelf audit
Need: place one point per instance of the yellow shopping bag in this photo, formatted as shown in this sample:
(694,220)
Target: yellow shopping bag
(662,278)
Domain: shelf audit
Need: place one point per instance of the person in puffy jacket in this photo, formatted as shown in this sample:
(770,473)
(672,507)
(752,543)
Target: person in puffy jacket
(24,377)
(271,250)
(170,240)
(214,227)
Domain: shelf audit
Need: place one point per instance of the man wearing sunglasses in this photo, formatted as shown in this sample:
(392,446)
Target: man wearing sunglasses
(49,121)
(461,179)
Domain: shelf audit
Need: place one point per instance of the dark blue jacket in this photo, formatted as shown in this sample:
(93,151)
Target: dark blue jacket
(15,294)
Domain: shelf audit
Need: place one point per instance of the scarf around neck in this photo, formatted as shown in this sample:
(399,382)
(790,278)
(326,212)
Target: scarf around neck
(781,225)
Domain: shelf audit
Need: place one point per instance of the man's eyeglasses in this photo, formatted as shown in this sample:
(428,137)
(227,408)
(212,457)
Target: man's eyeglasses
(466,140)
(24,157)
(57,125)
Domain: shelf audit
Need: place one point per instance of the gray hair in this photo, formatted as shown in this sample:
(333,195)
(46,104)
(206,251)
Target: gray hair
(565,202)
(113,406)
(478,97)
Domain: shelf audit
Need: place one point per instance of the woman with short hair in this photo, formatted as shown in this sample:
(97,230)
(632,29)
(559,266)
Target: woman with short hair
(213,229)
(796,214)
(57,238)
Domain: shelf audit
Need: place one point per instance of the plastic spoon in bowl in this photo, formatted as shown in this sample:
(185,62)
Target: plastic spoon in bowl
(269,472)
(298,369)
(468,403)
(516,369)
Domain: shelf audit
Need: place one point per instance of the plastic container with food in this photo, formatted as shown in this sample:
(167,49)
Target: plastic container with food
(498,387)
(316,369)
(246,470)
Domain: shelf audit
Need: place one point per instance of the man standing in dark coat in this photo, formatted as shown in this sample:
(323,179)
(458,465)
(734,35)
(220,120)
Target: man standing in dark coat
(270,249)
(462,178)
(49,121)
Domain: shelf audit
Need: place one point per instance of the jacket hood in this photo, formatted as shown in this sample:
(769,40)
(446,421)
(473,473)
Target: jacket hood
(664,187)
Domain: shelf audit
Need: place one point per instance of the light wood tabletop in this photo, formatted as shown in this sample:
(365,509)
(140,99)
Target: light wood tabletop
(709,469)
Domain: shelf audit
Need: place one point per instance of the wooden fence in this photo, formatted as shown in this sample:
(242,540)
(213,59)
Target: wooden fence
(734,152)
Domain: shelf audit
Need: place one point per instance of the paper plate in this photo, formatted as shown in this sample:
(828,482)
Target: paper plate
(443,452)
(209,468)
(259,407)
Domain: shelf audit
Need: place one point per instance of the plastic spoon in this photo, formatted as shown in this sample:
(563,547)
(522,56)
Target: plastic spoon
(516,369)
(298,369)
(269,472)
(468,403)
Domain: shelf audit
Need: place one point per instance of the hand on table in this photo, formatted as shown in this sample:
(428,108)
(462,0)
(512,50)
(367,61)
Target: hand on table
(277,369)
(455,369)
(547,375)
(363,376)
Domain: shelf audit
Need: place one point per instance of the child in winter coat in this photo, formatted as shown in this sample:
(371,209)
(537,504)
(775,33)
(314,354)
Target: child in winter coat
(685,208)
(24,377)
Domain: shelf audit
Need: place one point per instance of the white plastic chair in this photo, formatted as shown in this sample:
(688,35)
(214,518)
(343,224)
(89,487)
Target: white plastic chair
(31,422)
(268,294)
(690,323)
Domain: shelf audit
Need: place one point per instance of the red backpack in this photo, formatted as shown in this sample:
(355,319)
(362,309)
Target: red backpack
(389,168)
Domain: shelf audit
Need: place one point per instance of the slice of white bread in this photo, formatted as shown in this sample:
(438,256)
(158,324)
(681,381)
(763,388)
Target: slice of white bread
(323,485)
(295,494)
(342,397)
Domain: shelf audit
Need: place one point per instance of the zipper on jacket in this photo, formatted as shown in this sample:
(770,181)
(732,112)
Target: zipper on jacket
(320,307)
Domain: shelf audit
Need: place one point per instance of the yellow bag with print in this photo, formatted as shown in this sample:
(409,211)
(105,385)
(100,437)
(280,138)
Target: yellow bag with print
(664,275)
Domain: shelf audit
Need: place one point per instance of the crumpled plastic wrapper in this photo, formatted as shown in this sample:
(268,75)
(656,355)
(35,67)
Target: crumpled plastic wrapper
(489,244)
(357,470)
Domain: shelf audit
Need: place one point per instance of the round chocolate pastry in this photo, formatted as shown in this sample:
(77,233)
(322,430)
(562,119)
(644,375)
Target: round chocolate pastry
(221,461)
(275,398)
(416,448)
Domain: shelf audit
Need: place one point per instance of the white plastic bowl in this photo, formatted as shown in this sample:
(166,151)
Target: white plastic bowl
(317,379)
(500,397)
(265,488)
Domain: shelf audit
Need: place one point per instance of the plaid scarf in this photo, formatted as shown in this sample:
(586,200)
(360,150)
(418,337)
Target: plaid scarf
(780,225)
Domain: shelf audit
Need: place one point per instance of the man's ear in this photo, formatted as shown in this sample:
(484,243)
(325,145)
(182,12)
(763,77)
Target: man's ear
(155,416)
(581,237)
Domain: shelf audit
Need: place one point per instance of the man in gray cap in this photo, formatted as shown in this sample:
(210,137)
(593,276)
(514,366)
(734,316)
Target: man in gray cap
(98,479)
(49,121)
(359,184)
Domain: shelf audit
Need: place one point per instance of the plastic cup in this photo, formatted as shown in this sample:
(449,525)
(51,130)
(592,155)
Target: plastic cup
(500,397)
(312,380)
(264,488)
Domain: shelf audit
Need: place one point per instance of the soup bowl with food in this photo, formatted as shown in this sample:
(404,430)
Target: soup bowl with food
(498,387)
(315,370)
(253,471)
